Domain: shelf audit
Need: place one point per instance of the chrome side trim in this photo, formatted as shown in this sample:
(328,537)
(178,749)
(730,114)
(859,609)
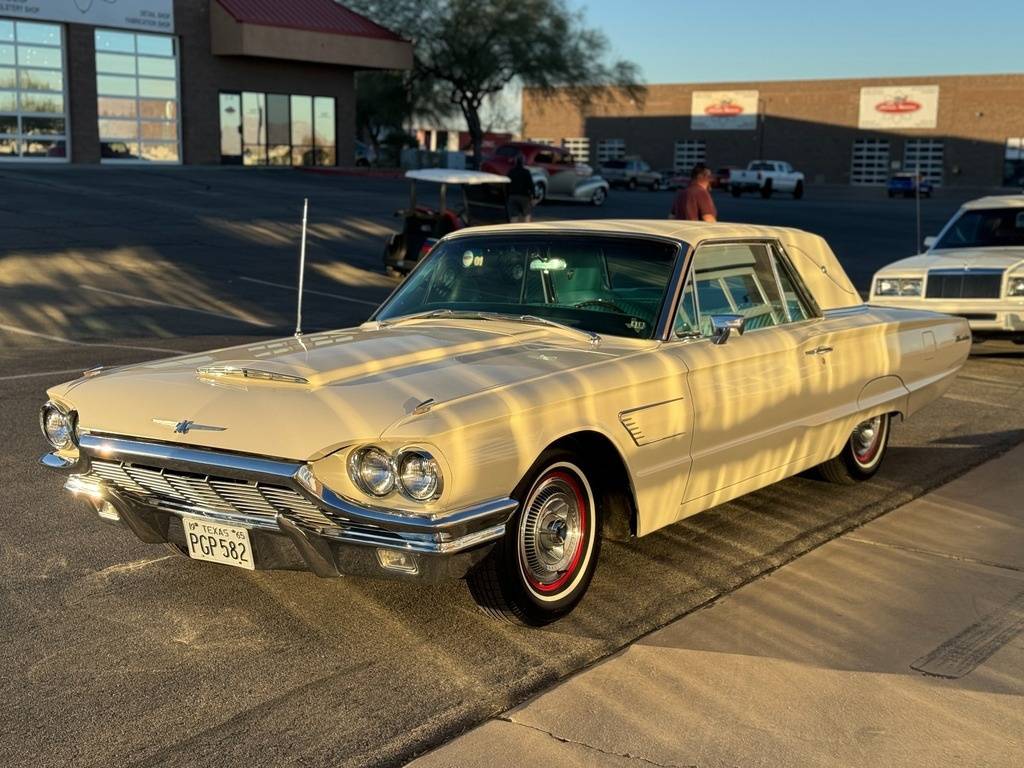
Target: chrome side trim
(844,311)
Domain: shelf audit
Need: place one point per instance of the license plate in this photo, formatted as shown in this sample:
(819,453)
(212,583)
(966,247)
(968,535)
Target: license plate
(218,542)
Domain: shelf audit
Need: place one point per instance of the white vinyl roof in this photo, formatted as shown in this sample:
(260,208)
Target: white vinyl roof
(996,201)
(454,176)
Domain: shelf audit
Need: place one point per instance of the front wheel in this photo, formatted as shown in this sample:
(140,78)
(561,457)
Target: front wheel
(862,455)
(542,567)
(600,195)
(798,190)
(736,191)
(766,190)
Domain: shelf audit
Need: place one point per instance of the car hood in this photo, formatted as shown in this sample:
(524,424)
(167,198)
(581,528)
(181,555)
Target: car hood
(328,389)
(960,258)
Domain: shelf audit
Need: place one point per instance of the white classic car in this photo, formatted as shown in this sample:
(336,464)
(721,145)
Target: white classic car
(528,390)
(974,268)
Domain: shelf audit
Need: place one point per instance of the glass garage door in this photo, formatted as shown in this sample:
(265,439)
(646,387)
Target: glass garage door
(33,117)
(869,164)
(924,155)
(688,153)
(610,149)
(579,147)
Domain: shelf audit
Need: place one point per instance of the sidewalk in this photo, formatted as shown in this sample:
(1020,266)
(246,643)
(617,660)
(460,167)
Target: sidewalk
(899,644)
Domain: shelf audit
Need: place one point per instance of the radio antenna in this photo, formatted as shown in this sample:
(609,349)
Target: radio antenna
(302,267)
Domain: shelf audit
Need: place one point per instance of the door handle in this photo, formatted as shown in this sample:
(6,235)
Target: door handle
(821,350)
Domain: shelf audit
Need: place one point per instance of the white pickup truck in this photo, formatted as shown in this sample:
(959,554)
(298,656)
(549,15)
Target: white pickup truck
(766,177)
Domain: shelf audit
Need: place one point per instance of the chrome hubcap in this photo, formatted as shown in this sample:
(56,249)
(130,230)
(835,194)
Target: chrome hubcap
(865,438)
(551,531)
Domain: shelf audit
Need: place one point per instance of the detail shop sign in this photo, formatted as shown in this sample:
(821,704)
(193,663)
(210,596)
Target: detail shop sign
(138,15)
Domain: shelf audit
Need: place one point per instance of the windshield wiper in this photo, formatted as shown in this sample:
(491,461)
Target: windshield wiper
(590,336)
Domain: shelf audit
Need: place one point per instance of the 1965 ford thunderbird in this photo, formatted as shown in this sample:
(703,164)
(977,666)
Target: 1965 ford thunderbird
(527,391)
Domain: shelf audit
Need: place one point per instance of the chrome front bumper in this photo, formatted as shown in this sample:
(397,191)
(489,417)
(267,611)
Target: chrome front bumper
(148,487)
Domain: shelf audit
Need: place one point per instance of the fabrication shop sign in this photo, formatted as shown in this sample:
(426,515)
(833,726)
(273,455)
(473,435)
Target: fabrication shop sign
(723,110)
(899,106)
(138,15)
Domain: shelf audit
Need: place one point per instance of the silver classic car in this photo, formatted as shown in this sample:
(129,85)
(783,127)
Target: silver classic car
(528,391)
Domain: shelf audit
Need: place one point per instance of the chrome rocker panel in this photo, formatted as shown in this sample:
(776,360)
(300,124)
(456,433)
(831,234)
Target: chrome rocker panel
(443,546)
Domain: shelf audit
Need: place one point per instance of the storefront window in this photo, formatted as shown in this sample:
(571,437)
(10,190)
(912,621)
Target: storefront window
(33,121)
(279,129)
(137,92)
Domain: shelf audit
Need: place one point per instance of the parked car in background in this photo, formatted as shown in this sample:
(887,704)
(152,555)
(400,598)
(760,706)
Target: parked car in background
(767,177)
(524,394)
(907,184)
(676,179)
(720,178)
(631,173)
(974,268)
(557,175)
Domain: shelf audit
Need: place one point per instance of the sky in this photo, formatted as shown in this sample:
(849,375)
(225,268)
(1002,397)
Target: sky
(686,41)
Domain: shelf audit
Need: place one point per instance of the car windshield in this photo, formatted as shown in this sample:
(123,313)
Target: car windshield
(605,285)
(986,228)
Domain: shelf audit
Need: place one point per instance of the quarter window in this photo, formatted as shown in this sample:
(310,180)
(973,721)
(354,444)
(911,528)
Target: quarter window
(33,117)
(748,279)
(137,96)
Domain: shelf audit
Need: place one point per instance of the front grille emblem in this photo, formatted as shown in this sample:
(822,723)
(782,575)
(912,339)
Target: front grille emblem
(185,426)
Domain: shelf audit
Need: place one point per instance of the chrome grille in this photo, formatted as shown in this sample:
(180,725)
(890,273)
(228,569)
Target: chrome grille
(964,284)
(250,502)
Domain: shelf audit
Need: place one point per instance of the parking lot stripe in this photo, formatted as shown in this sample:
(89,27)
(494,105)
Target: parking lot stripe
(250,321)
(310,290)
(40,374)
(62,340)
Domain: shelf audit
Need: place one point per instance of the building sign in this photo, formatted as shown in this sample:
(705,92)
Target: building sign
(140,15)
(899,106)
(723,111)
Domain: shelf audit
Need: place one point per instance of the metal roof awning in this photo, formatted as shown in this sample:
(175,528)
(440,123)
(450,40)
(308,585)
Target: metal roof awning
(319,31)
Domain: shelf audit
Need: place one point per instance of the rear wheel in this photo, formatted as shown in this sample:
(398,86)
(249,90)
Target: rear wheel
(862,455)
(766,190)
(542,567)
(631,184)
(539,193)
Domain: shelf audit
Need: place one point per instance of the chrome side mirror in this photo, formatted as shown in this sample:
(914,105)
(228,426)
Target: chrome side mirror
(930,241)
(722,327)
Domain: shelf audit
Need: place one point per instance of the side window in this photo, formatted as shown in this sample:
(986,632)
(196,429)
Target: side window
(738,279)
(544,156)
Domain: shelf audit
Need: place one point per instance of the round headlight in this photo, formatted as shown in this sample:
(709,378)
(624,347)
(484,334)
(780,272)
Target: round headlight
(419,475)
(371,470)
(58,426)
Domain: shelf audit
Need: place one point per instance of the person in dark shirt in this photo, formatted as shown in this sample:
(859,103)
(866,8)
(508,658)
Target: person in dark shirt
(694,203)
(520,191)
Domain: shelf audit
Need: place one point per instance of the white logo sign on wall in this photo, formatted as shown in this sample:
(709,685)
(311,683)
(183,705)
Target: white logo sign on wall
(140,15)
(899,106)
(723,110)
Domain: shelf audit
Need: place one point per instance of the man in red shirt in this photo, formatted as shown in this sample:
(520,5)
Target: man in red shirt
(694,203)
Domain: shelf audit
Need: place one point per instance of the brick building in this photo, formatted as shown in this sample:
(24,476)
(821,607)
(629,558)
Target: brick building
(958,130)
(249,82)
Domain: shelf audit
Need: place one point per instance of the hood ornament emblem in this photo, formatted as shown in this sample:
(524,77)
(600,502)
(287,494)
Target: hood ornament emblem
(185,426)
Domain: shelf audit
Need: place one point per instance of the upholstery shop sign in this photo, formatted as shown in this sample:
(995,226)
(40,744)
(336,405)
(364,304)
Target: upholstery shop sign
(723,111)
(140,15)
(899,106)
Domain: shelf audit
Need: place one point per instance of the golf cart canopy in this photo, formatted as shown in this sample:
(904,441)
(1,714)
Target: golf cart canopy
(454,176)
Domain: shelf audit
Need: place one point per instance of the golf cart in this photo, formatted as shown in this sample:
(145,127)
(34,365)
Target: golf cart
(484,201)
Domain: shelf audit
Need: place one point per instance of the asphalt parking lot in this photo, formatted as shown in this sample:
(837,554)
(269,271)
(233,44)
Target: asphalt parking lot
(117,653)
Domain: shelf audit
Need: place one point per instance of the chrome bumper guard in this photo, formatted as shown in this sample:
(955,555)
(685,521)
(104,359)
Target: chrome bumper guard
(331,534)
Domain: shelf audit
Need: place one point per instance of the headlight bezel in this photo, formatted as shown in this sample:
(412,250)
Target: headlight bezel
(395,461)
(900,285)
(356,475)
(414,452)
(1015,291)
(70,419)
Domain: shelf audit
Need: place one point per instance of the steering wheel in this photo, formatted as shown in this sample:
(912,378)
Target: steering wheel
(601,303)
